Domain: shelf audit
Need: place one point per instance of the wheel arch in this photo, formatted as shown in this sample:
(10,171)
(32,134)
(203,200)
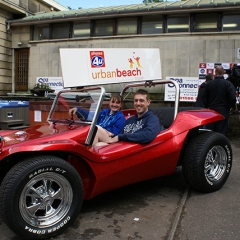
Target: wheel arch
(83,168)
(191,134)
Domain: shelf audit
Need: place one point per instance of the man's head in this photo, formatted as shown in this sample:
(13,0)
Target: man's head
(141,101)
(219,71)
(209,77)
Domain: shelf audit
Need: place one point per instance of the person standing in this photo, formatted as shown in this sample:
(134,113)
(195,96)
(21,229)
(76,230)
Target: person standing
(219,95)
(199,102)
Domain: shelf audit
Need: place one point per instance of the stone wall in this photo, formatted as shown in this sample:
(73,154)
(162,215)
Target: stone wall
(21,34)
(5,55)
(9,39)
(33,6)
(180,53)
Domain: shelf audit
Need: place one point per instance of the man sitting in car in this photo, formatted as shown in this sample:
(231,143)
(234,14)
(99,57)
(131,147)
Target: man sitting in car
(143,127)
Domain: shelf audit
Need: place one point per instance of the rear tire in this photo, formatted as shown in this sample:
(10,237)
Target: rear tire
(207,162)
(41,197)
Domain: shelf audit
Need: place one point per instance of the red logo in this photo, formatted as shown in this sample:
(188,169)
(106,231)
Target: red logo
(202,65)
(97,59)
(210,71)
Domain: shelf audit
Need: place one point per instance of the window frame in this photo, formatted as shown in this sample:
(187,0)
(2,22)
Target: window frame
(35,32)
(94,23)
(79,22)
(127,20)
(69,33)
(162,18)
(193,23)
(224,14)
(176,16)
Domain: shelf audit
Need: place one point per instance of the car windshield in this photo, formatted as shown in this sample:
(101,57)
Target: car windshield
(86,104)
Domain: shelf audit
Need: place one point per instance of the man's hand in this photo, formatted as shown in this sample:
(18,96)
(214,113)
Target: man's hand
(72,111)
(109,133)
(113,140)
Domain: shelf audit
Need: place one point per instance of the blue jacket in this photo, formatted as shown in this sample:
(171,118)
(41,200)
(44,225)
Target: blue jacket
(113,123)
(140,130)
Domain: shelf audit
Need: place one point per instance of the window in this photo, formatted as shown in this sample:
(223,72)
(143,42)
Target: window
(152,24)
(205,22)
(177,23)
(41,32)
(60,30)
(126,26)
(103,27)
(81,29)
(231,22)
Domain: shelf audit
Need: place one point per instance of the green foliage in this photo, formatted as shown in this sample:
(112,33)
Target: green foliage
(42,86)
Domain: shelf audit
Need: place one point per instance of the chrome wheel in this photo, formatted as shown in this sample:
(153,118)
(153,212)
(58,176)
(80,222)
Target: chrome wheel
(207,161)
(45,200)
(215,163)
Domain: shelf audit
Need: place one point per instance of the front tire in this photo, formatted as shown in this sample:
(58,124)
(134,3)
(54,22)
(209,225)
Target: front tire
(207,162)
(41,197)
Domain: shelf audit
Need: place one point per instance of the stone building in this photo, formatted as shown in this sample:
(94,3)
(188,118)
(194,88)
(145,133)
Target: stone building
(186,32)
(12,10)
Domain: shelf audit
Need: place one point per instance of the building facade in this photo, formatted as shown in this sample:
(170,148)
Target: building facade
(13,10)
(186,33)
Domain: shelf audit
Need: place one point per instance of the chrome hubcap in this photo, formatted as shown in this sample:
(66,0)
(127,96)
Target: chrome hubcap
(215,163)
(45,200)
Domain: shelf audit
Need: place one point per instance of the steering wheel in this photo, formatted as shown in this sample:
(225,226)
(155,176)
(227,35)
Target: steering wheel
(80,116)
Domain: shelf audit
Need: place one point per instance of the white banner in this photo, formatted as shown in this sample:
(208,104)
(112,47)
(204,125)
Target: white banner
(188,89)
(86,67)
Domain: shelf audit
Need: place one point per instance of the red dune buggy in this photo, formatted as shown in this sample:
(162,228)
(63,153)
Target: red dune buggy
(46,171)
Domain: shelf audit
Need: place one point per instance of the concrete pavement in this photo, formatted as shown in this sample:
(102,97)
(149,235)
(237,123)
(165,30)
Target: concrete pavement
(214,216)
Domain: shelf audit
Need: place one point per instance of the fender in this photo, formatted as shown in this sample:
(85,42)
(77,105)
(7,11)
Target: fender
(194,118)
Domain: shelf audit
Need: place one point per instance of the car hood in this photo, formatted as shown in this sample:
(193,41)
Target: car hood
(44,131)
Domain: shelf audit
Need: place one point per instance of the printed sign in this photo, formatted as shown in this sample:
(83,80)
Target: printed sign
(207,68)
(55,83)
(86,67)
(238,53)
(188,89)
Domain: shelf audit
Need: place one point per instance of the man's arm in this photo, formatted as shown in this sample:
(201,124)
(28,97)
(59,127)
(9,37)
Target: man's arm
(231,95)
(113,140)
(205,96)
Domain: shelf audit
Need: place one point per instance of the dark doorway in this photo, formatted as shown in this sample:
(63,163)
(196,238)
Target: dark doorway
(21,69)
